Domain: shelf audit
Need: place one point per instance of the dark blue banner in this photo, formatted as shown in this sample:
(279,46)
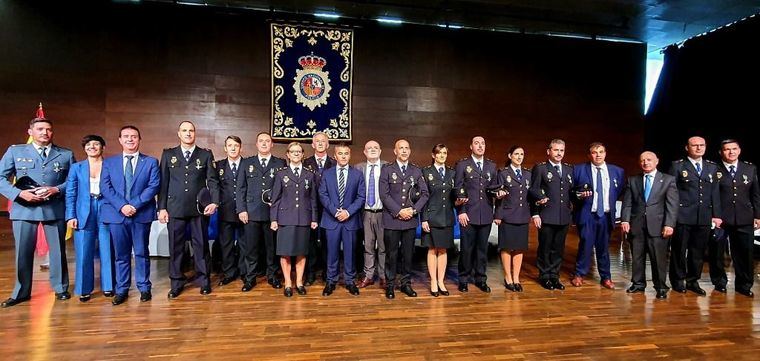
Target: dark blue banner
(311,81)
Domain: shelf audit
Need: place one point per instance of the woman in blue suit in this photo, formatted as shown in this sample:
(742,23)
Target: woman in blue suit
(83,200)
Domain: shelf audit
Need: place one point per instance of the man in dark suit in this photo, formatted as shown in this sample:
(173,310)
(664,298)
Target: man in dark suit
(550,187)
(185,170)
(48,166)
(230,227)
(474,177)
(400,216)
(317,251)
(699,210)
(253,204)
(649,212)
(740,207)
(342,195)
(374,246)
(129,184)
(599,185)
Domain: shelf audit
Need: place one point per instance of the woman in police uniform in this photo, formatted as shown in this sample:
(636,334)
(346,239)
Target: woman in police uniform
(293,211)
(438,217)
(512,216)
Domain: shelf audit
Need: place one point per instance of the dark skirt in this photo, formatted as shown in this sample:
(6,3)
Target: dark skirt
(293,240)
(513,237)
(438,237)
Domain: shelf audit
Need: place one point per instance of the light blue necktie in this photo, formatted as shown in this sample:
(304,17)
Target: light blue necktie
(599,193)
(647,186)
(371,189)
(129,175)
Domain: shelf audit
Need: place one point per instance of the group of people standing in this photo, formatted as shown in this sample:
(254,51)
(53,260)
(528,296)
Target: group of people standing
(306,210)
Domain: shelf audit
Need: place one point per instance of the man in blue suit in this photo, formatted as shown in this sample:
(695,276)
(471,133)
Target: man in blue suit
(598,186)
(129,184)
(341,192)
(44,167)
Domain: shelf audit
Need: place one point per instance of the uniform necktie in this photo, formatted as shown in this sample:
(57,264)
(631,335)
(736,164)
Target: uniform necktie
(321,163)
(518,175)
(43,153)
(732,171)
(480,167)
(599,193)
(440,171)
(187,156)
(341,186)
(263,163)
(403,169)
(699,168)
(295,171)
(559,171)
(129,175)
(234,170)
(371,188)
(647,186)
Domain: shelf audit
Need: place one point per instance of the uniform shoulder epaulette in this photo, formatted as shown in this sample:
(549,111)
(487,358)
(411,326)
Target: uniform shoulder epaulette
(709,161)
(541,163)
(568,164)
(490,160)
(746,162)
(308,169)
(463,159)
(413,164)
(678,161)
(170,148)
(278,170)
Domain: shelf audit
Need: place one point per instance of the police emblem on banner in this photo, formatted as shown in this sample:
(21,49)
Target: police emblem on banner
(312,70)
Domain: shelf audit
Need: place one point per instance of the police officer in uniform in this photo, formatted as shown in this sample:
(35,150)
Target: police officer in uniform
(475,177)
(185,170)
(44,168)
(699,209)
(230,227)
(551,182)
(400,215)
(740,207)
(253,201)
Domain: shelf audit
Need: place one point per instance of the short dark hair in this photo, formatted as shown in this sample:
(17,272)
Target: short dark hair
(235,138)
(728,141)
(186,121)
(90,137)
(39,120)
(342,145)
(265,133)
(595,145)
(130,127)
(438,147)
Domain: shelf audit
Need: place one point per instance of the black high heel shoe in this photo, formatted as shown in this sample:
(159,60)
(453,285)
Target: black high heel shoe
(442,291)
(509,286)
(518,287)
(434,293)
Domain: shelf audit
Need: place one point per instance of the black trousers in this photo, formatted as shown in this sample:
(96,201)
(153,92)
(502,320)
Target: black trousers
(551,247)
(316,258)
(229,233)
(395,239)
(199,242)
(657,249)
(740,239)
(256,233)
(473,256)
(692,239)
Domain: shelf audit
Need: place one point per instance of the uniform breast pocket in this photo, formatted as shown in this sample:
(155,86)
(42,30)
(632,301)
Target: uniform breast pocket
(24,165)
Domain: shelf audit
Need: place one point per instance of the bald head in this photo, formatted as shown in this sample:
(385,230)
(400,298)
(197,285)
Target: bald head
(372,151)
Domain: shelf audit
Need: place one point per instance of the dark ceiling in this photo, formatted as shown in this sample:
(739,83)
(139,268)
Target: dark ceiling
(656,22)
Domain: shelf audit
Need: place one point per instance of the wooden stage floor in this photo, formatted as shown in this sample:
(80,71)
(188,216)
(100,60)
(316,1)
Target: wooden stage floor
(579,323)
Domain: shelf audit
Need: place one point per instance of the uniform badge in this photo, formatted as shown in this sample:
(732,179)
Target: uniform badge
(461,190)
(549,176)
(719,175)
(710,176)
(394,176)
(18,159)
(173,160)
(509,179)
(746,180)
(684,174)
(250,168)
(271,172)
(488,176)
(285,179)
(306,183)
(527,183)
(615,182)
(468,169)
(430,177)
(56,167)
(452,184)
(198,164)
(570,178)
(221,172)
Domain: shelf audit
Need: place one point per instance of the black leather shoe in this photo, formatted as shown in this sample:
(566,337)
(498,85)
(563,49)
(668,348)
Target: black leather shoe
(463,287)
(146,296)
(301,290)
(225,281)
(720,288)
(483,287)
(352,289)
(694,287)
(662,294)
(389,293)
(547,284)
(247,286)
(119,299)
(275,283)
(288,292)
(62,296)
(174,293)
(85,298)
(509,286)
(747,293)
(108,294)
(634,289)
(13,301)
(678,287)
(557,284)
(443,292)
(434,293)
(329,288)
(407,290)
(206,289)
(518,287)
